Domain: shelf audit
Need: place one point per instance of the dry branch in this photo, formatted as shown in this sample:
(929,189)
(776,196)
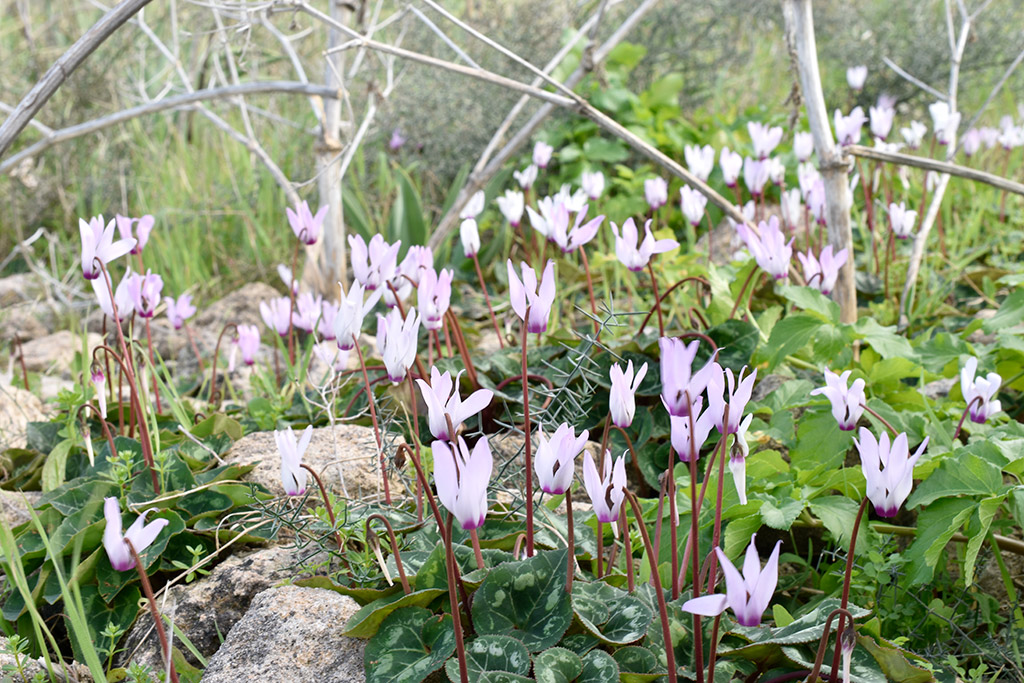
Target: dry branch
(928,164)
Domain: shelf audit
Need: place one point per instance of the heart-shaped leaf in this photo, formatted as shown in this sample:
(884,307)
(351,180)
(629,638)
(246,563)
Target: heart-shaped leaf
(411,644)
(493,659)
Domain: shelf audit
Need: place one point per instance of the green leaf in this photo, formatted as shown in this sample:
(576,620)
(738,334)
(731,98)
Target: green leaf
(736,340)
(407,221)
(369,618)
(98,613)
(806,628)
(598,667)
(789,336)
(638,664)
(837,513)
(56,461)
(556,665)
(604,150)
(810,299)
(611,614)
(781,514)
(977,532)
(493,659)
(893,661)
(967,474)
(782,616)
(884,340)
(411,644)
(526,599)
(935,526)
(1010,313)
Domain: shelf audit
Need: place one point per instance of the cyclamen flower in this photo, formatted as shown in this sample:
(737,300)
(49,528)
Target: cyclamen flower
(145,292)
(888,469)
(971,142)
(352,310)
(736,400)
(770,250)
(764,138)
(822,273)
(776,170)
(731,164)
(855,77)
(989,136)
(547,214)
(99,386)
(747,595)
(528,299)
(397,140)
(693,204)
(418,260)
(634,254)
(470,237)
(902,220)
(944,122)
(622,399)
(738,459)
(305,225)
(803,146)
(141,236)
(581,233)
(556,457)
(527,177)
(680,386)
(792,208)
(656,192)
(914,134)
(462,478)
(179,310)
(325,325)
(474,206)
(606,488)
(139,533)
(511,205)
(848,127)
(574,201)
(847,404)
(374,264)
(806,175)
(445,406)
(816,200)
(685,445)
(755,175)
(433,295)
(98,245)
(122,296)
(886,101)
(291,450)
(978,391)
(542,154)
(276,315)
(396,342)
(700,160)
(248,342)
(592,184)
(307,311)
(881,121)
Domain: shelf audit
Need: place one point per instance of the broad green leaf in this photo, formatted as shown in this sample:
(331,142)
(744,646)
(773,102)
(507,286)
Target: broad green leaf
(977,532)
(56,461)
(638,664)
(598,667)
(1010,313)
(893,661)
(884,340)
(806,628)
(967,474)
(411,644)
(556,665)
(369,618)
(935,526)
(493,659)
(789,336)
(611,614)
(837,513)
(780,514)
(736,342)
(810,299)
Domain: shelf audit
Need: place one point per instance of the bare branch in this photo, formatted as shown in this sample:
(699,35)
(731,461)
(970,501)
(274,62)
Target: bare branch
(934,165)
(914,80)
(65,65)
(444,37)
(995,90)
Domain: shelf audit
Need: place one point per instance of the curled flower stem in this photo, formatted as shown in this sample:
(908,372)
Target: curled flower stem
(881,419)
(706,286)
(327,502)
(846,585)
(657,299)
(841,612)
(487,299)
(590,287)
(967,409)
(214,392)
(373,418)
(147,590)
(394,548)
(527,446)
(666,632)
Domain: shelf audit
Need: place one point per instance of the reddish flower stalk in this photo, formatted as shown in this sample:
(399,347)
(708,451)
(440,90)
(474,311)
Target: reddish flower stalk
(590,287)
(846,587)
(717,533)
(743,289)
(373,418)
(195,349)
(103,424)
(627,549)
(527,446)
(487,299)
(214,392)
(291,306)
(394,548)
(327,502)
(156,389)
(460,343)
(657,300)
(570,542)
(147,590)
(415,434)
(698,654)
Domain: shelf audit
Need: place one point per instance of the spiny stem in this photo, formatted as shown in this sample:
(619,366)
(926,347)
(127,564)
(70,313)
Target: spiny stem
(147,590)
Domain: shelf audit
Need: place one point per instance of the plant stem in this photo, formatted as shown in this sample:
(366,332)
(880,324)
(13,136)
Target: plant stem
(16,342)
(967,409)
(880,418)
(666,632)
(415,431)
(590,287)
(487,299)
(373,418)
(291,305)
(627,548)
(460,648)
(846,584)
(570,541)
(195,349)
(698,645)
(478,554)
(394,548)
(664,295)
(528,447)
(214,392)
(661,511)
(717,534)
(657,299)
(156,389)
(460,343)
(713,649)
(327,502)
(147,590)
(739,296)
(822,644)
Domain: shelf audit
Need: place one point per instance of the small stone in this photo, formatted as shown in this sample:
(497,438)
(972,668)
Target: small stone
(15,506)
(19,288)
(768,385)
(939,388)
(18,407)
(291,634)
(240,307)
(54,353)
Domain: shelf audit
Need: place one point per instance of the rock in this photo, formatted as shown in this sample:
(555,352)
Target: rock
(208,608)
(18,407)
(939,388)
(19,288)
(767,386)
(241,306)
(27,321)
(15,506)
(291,634)
(68,672)
(55,352)
(348,451)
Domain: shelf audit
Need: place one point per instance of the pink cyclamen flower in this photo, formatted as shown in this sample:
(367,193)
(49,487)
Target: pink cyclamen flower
(291,450)
(822,273)
(656,192)
(145,292)
(511,206)
(397,140)
(139,533)
(847,403)
(622,399)
(770,250)
(806,175)
(902,220)
(433,295)
(803,146)
(305,225)
(684,443)
(248,342)
(635,254)
(855,77)
(914,134)
(99,386)
(98,245)
(469,234)
(738,459)
(755,175)
(179,310)
(739,390)
(792,208)
(731,164)
(881,121)
(989,136)
(461,478)
(122,296)
(848,127)
(776,170)
(307,311)
(474,206)
(418,260)
(444,405)
(971,142)
(700,160)
(374,264)
(816,200)
(593,184)
(747,595)
(141,236)
(276,314)
(527,177)
(556,458)
(764,138)
(886,101)
(549,212)
(693,204)
(888,469)
(542,154)
(397,340)
(680,386)
(325,323)
(978,391)
(569,240)
(944,122)
(529,299)
(606,488)
(352,310)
